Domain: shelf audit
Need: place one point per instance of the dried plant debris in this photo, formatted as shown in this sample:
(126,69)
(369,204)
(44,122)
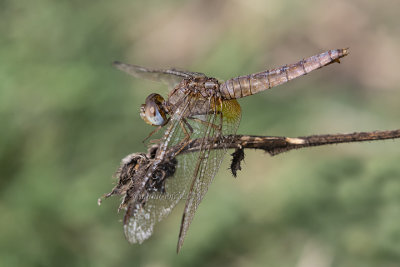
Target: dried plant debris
(237,158)
(131,174)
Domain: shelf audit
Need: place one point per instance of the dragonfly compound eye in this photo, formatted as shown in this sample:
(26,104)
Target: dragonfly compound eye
(152,112)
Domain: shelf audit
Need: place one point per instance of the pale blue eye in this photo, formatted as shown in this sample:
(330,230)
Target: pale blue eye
(157,119)
(152,112)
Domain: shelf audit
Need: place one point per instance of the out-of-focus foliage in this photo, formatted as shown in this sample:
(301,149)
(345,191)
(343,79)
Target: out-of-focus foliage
(67,118)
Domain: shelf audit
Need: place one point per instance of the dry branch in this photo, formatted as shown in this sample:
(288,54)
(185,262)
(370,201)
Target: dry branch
(278,144)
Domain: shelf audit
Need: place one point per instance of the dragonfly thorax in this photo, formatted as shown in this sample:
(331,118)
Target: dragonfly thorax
(153,112)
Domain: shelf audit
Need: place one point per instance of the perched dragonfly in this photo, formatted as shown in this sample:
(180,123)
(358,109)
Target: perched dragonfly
(197,107)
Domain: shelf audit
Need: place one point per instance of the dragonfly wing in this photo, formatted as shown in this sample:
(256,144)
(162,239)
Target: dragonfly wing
(193,171)
(148,207)
(171,77)
(141,216)
(208,160)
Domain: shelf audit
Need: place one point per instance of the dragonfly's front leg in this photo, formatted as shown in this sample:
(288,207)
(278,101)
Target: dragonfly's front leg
(150,134)
(155,131)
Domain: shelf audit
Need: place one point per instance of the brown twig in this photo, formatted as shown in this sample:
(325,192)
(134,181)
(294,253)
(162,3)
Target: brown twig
(278,144)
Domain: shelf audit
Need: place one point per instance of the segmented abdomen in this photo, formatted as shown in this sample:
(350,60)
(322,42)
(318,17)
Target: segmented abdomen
(251,84)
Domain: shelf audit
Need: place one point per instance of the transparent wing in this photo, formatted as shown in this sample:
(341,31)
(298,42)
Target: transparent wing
(151,207)
(208,161)
(170,76)
(194,171)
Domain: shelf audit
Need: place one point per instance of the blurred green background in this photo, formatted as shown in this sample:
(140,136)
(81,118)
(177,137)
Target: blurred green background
(67,118)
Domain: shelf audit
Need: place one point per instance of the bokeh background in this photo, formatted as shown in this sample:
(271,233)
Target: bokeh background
(67,118)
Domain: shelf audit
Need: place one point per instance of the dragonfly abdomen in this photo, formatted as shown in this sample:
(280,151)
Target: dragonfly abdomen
(251,84)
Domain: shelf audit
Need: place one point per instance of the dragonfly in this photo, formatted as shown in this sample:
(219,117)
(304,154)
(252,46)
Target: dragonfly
(197,107)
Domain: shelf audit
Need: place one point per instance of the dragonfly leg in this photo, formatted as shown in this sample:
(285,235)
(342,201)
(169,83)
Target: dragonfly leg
(187,125)
(186,129)
(206,123)
(209,124)
(154,131)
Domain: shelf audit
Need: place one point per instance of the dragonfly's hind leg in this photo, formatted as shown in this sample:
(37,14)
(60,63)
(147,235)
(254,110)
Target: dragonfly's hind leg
(206,123)
(187,132)
(216,127)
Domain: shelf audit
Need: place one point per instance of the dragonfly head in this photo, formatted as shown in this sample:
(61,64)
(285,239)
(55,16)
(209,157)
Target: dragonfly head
(153,112)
